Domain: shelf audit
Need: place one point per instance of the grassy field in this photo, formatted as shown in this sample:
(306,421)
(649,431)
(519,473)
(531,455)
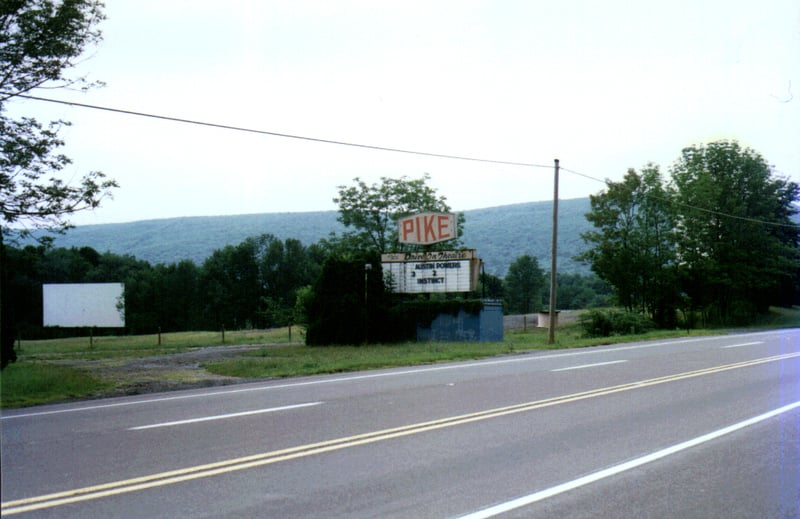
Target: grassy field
(68,369)
(147,345)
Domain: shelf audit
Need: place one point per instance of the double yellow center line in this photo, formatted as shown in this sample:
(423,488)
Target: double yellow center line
(302,451)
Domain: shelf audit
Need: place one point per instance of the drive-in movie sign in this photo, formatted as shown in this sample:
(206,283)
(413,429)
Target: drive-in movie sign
(426,228)
(432,272)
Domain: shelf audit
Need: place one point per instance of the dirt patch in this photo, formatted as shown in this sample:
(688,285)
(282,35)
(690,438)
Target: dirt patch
(132,376)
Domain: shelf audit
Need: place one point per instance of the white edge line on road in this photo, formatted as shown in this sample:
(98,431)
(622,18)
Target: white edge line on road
(223,416)
(584,366)
(742,345)
(461,365)
(622,467)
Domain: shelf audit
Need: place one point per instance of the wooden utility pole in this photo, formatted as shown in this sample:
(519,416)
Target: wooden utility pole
(551,326)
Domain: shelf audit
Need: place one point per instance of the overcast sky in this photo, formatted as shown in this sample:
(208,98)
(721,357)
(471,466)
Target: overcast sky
(602,86)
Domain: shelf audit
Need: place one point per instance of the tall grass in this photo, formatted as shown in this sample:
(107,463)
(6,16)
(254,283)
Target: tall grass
(26,383)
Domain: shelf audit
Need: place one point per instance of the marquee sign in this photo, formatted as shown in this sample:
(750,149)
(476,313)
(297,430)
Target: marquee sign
(432,272)
(426,228)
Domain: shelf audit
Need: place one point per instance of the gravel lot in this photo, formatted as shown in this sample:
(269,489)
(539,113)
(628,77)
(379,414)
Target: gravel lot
(164,372)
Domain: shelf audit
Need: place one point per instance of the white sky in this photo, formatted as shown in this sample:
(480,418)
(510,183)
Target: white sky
(602,86)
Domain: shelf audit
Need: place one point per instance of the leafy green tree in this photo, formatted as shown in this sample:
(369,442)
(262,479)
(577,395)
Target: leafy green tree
(284,267)
(577,291)
(523,285)
(174,297)
(337,311)
(490,286)
(305,298)
(255,283)
(229,283)
(633,246)
(40,40)
(373,210)
(736,239)
(23,285)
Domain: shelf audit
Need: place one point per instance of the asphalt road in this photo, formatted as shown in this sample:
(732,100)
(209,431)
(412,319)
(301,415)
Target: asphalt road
(696,427)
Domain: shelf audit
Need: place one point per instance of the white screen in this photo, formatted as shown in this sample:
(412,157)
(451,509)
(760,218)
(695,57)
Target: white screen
(84,304)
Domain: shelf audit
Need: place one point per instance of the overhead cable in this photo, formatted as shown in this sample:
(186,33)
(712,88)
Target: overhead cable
(284,135)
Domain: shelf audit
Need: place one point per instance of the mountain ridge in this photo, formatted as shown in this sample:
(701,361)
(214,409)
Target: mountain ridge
(500,234)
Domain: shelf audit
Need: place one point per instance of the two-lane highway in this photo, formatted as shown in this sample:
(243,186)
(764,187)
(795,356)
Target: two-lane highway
(700,426)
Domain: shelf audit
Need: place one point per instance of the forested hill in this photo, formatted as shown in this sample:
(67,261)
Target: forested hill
(500,234)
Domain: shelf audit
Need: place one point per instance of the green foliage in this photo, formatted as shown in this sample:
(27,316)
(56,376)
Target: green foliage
(25,384)
(605,323)
(577,291)
(305,297)
(304,360)
(373,210)
(338,312)
(422,312)
(135,346)
(43,38)
(736,236)
(634,244)
(721,240)
(523,286)
(28,155)
(39,41)
(254,284)
(490,286)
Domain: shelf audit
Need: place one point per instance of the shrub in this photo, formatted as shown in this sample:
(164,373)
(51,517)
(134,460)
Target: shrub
(605,323)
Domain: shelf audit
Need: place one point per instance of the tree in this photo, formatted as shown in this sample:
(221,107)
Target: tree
(337,309)
(373,210)
(40,40)
(576,291)
(736,240)
(490,286)
(284,267)
(524,283)
(230,283)
(255,283)
(718,239)
(633,246)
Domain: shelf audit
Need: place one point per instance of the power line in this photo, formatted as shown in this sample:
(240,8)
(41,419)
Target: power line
(284,135)
(584,175)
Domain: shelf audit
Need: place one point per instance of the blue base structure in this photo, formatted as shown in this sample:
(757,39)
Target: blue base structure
(487,326)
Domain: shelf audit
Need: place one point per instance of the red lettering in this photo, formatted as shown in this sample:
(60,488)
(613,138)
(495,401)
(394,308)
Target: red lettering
(426,228)
(429,232)
(408,228)
(444,227)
